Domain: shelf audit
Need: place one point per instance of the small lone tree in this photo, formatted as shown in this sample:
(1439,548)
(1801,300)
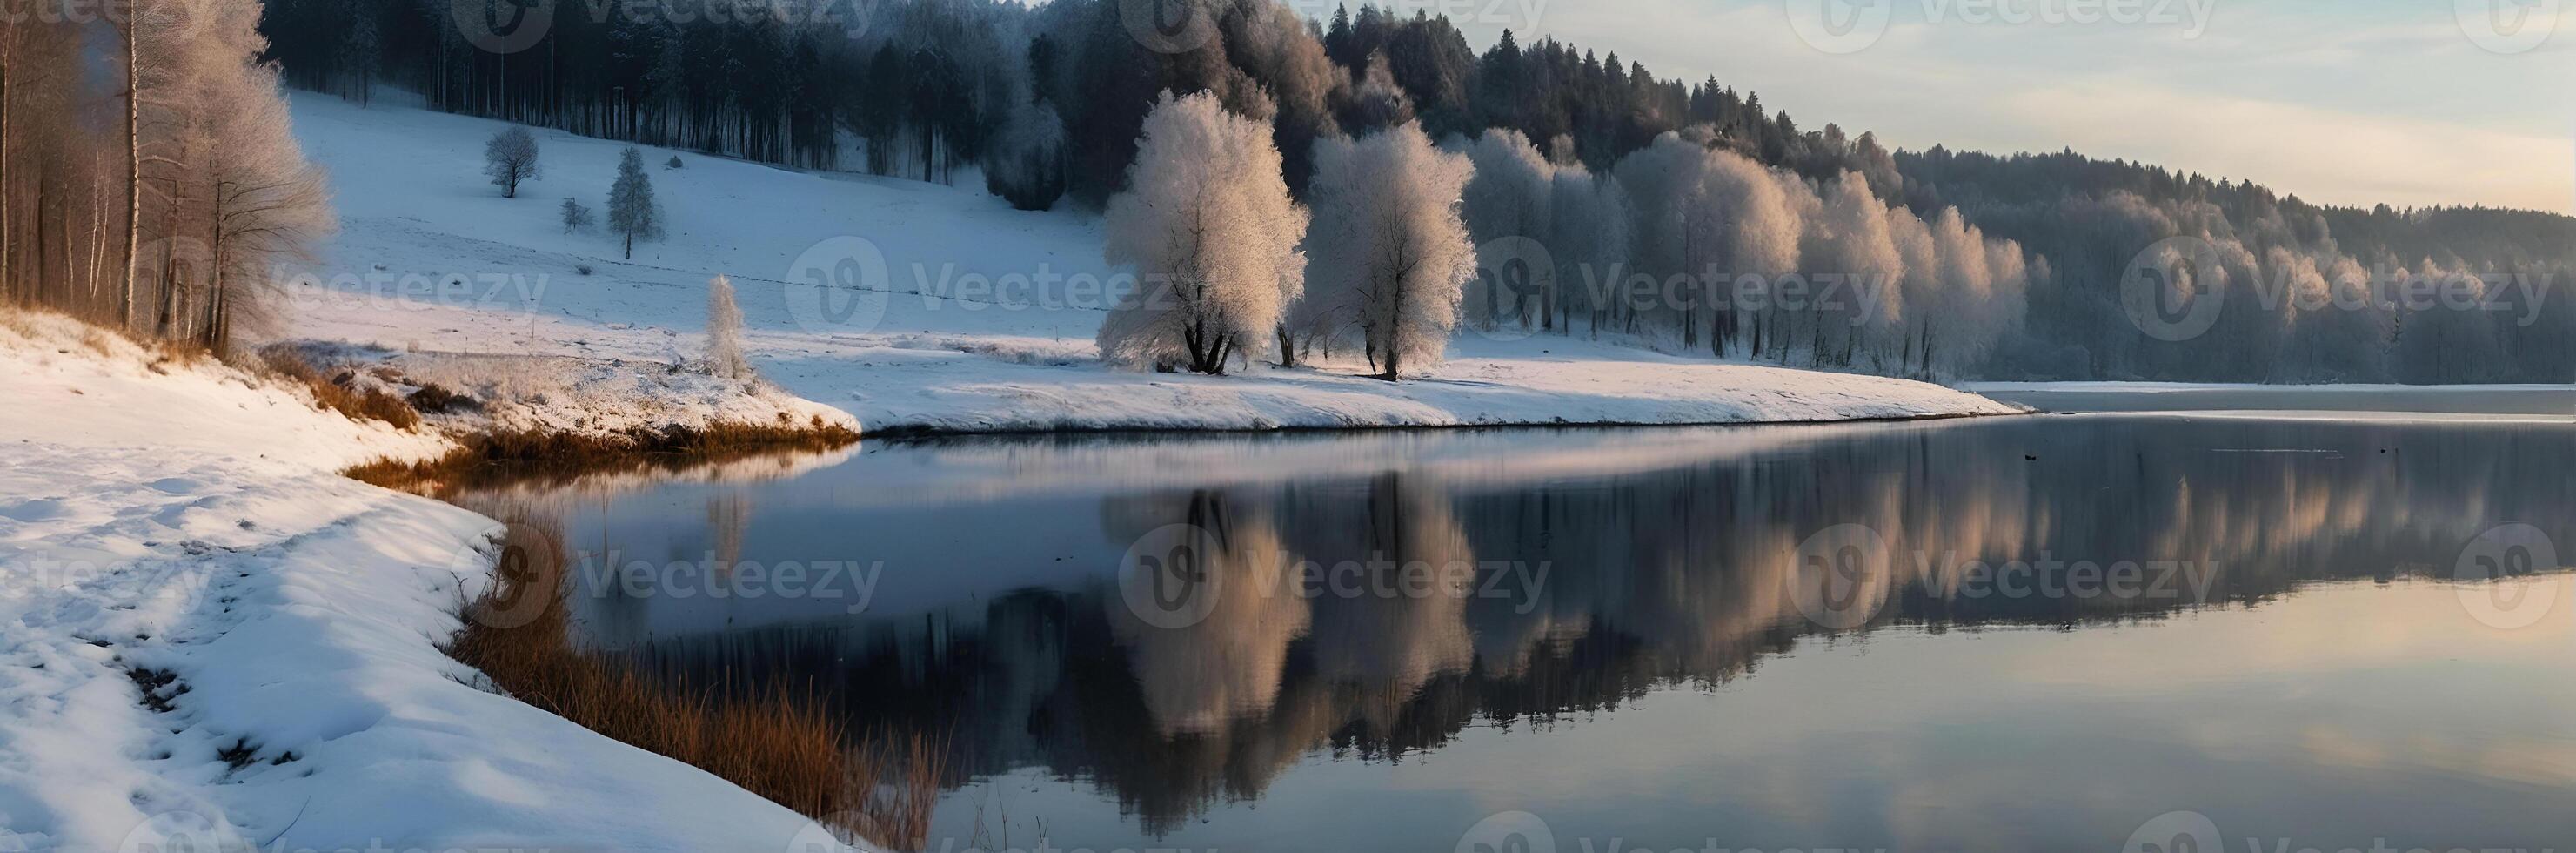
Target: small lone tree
(724,332)
(510,157)
(631,211)
(576,216)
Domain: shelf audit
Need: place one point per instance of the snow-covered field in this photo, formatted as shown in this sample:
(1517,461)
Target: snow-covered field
(209,638)
(948,311)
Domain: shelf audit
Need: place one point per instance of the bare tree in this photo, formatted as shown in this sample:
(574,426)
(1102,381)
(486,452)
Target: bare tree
(510,157)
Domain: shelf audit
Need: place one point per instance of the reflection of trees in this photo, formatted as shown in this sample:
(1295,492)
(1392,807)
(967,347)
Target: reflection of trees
(1198,677)
(1686,574)
(1379,648)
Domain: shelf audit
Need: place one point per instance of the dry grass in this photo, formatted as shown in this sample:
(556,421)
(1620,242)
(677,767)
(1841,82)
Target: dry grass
(337,393)
(776,742)
(31,322)
(892,780)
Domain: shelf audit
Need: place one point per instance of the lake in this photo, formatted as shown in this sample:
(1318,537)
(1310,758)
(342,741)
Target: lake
(2082,632)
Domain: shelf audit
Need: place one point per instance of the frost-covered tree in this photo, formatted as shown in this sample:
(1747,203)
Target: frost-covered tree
(1850,246)
(509,158)
(575,215)
(1509,197)
(1208,226)
(1589,238)
(264,204)
(632,213)
(724,332)
(1388,242)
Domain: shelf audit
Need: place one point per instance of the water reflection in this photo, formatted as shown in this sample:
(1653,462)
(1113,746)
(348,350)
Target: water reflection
(1601,566)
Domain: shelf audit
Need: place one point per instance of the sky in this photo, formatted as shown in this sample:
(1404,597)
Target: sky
(2348,102)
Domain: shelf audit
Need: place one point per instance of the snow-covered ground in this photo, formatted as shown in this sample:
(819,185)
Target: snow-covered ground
(947,311)
(569,394)
(2532,403)
(209,638)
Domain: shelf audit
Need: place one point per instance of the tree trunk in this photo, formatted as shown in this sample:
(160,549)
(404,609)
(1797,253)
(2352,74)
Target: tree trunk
(170,282)
(133,166)
(8,281)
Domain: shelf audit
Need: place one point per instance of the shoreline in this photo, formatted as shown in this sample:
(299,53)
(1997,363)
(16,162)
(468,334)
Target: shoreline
(915,433)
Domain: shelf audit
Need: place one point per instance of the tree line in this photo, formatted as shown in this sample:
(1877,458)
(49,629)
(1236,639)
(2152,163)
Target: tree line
(148,178)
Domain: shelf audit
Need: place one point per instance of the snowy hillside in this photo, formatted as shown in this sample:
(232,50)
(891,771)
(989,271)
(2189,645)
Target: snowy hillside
(980,318)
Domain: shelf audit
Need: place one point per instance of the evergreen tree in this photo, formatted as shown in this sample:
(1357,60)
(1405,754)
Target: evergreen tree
(632,212)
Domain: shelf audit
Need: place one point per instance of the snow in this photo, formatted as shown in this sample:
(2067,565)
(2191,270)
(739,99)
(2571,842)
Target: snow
(566,394)
(161,520)
(70,384)
(2386,403)
(982,318)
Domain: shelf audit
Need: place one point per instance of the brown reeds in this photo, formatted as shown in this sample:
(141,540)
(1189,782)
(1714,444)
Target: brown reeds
(779,743)
(339,392)
(516,453)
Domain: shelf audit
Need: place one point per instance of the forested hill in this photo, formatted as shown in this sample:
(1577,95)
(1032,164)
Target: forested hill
(1047,100)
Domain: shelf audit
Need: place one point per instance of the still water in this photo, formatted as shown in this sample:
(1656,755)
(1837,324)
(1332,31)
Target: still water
(2040,633)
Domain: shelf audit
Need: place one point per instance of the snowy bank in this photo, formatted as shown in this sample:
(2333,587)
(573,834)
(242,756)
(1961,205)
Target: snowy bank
(968,316)
(208,636)
(566,395)
(1595,384)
